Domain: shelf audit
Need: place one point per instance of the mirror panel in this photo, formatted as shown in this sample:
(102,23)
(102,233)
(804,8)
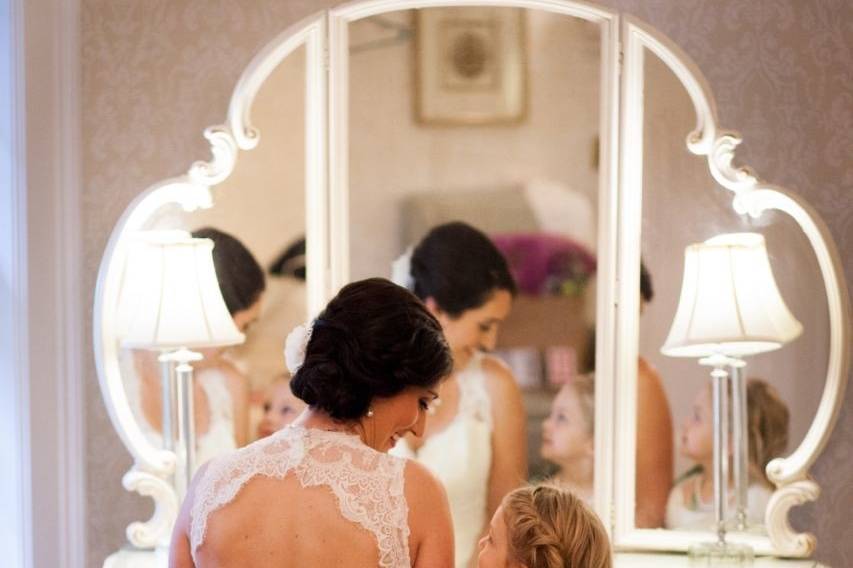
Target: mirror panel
(534,174)
(683,204)
(262,205)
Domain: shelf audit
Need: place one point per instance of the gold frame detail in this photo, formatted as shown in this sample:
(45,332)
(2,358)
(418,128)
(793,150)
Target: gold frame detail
(470,66)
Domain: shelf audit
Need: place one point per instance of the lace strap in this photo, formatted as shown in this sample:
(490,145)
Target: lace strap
(226,475)
(474,399)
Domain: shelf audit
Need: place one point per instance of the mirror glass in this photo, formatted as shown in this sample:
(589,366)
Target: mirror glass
(682,204)
(241,392)
(489,116)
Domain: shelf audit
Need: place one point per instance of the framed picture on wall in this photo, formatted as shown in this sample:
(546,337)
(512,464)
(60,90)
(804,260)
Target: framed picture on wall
(470,66)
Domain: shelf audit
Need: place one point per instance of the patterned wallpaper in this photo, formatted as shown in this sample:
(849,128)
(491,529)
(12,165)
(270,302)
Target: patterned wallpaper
(156,73)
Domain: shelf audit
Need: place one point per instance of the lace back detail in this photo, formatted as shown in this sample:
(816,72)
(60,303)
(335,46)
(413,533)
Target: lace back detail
(368,485)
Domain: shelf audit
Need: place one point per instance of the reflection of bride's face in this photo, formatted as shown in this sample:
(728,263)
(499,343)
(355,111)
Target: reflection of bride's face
(243,319)
(475,329)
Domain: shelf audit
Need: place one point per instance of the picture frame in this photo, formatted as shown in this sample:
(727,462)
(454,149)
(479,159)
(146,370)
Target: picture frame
(470,66)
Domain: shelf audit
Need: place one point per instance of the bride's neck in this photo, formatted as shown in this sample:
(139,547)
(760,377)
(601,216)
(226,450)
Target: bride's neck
(313,418)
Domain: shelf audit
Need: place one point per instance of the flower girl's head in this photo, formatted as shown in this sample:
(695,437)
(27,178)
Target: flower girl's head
(697,431)
(544,527)
(567,433)
(466,283)
(767,427)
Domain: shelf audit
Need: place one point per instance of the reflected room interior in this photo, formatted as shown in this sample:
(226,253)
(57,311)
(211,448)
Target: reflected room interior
(262,206)
(502,133)
(683,204)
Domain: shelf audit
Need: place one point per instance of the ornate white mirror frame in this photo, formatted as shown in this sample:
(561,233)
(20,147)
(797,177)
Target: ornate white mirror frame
(751,196)
(325,39)
(153,467)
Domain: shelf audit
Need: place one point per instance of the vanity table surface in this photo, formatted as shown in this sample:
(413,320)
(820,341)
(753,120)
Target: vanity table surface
(158,559)
(674,560)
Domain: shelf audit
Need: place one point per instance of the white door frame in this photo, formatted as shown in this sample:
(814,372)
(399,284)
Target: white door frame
(41,323)
(15,504)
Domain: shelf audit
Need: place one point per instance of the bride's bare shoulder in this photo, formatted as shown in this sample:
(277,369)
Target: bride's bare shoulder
(430,525)
(424,494)
(501,384)
(497,371)
(418,478)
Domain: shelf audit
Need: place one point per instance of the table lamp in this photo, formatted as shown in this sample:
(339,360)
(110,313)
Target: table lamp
(171,302)
(730,307)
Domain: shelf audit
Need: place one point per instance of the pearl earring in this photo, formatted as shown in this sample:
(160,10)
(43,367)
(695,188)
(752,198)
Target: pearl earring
(370,413)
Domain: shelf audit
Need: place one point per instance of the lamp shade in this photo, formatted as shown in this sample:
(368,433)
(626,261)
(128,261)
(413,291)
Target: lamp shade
(730,304)
(170,296)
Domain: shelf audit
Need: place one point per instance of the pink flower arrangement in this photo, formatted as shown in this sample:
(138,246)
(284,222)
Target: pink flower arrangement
(545,263)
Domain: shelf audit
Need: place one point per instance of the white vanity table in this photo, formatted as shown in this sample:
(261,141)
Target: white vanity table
(648,560)
(623,48)
(149,559)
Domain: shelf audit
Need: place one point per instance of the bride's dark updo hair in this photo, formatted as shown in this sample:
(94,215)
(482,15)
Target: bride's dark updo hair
(459,267)
(374,339)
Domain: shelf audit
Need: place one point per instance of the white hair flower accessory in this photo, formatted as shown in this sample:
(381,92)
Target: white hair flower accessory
(401,270)
(295,345)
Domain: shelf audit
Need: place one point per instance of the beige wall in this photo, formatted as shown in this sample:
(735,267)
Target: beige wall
(156,73)
(392,156)
(263,200)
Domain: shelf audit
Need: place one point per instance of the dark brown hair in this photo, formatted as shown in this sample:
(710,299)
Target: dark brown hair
(374,339)
(241,278)
(459,267)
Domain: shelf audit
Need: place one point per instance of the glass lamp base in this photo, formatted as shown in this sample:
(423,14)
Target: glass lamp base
(719,554)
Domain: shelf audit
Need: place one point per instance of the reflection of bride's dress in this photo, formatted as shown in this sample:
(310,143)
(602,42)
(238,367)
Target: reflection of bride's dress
(219,437)
(460,456)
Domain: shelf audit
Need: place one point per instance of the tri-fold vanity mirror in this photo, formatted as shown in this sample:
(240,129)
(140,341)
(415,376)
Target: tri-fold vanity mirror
(556,127)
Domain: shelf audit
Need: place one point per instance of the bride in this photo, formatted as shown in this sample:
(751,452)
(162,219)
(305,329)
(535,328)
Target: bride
(476,441)
(323,491)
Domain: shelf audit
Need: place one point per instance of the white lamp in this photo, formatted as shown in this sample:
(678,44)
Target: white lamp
(171,302)
(730,307)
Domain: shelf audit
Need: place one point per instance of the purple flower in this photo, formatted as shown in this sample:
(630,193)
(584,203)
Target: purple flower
(545,263)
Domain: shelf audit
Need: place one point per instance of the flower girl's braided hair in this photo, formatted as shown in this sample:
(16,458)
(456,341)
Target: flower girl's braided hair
(549,527)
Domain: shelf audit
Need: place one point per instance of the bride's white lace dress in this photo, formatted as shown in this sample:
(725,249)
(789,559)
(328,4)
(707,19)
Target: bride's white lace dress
(460,456)
(368,485)
(217,439)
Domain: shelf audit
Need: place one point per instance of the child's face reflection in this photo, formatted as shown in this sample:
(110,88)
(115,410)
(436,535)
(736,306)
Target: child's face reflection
(281,408)
(697,432)
(564,433)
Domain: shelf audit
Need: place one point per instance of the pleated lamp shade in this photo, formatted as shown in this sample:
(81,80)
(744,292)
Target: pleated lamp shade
(170,296)
(730,304)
